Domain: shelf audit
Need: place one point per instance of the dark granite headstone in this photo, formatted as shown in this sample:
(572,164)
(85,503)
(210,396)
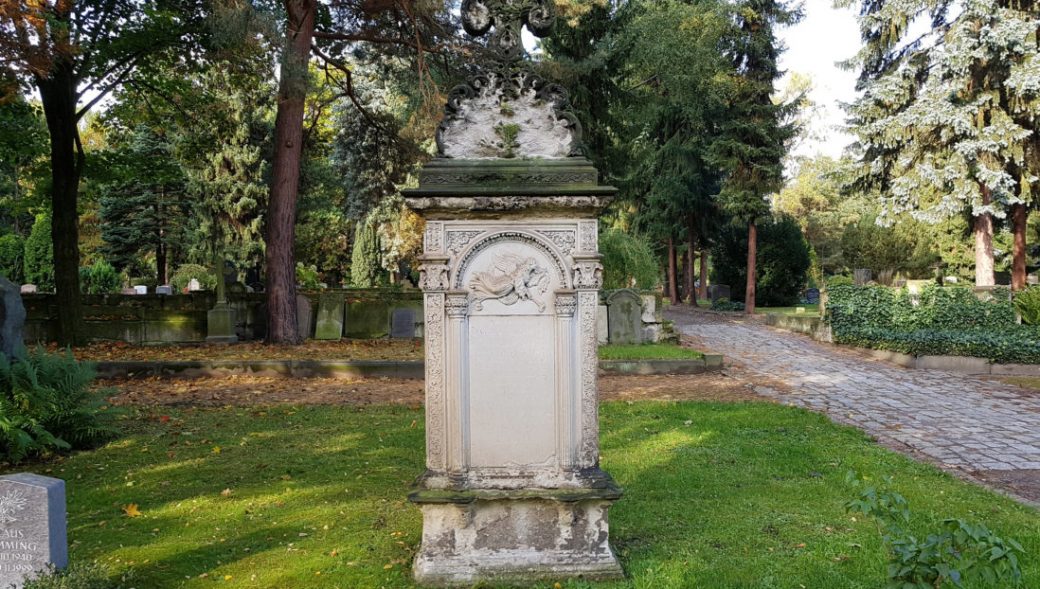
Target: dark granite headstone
(812,296)
(32,526)
(624,317)
(164,289)
(12,317)
(402,323)
(304,316)
(718,291)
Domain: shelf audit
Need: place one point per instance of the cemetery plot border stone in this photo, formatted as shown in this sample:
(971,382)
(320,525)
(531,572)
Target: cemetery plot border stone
(33,532)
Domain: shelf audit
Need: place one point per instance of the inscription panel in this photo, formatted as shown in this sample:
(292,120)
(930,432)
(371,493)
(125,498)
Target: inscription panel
(32,526)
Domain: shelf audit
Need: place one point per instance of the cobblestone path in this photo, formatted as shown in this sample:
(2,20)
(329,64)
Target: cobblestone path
(976,424)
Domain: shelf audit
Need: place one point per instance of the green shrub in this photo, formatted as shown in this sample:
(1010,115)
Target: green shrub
(628,262)
(12,257)
(77,576)
(47,404)
(782,262)
(307,277)
(840,280)
(1027,303)
(99,278)
(39,255)
(365,269)
(184,273)
(944,321)
(724,304)
(959,551)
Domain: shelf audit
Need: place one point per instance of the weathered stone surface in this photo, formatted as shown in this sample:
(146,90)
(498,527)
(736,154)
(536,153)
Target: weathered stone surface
(164,289)
(304,316)
(367,319)
(194,285)
(602,325)
(861,276)
(330,317)
(624,317)
(651,309)
(32,526)
(652,332)
(12,318)
(516,540)
(402,323)
(220,324)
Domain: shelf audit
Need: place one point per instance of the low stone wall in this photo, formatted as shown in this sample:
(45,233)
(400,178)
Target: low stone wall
(172,319)
(811,325)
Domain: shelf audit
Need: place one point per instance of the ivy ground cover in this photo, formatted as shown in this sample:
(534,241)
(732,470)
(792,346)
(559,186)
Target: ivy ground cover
(721,495)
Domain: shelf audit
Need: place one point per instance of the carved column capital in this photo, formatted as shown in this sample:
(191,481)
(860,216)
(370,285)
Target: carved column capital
(588,272)
(566,303)
(457,304)
(434,273)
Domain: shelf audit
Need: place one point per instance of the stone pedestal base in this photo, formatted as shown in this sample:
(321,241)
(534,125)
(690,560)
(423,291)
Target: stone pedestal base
(220,325)
(514,536)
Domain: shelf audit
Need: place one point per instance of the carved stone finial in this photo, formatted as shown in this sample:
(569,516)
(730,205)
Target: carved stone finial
(507,17)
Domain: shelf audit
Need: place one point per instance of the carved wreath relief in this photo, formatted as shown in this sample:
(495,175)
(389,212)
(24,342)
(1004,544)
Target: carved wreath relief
(511,279)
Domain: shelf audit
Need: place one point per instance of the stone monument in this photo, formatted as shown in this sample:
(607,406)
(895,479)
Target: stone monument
(32,526)
(510,272)
(624,317)
(330,316)
(220,320)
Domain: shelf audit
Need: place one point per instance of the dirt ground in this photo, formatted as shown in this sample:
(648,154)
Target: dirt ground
(251,390)
(346,349)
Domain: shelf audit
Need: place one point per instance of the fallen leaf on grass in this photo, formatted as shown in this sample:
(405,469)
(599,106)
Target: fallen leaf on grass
(132,510)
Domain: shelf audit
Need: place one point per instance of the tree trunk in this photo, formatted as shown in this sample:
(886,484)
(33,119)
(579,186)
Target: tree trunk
(1019,219)
(282,324)
(691,238)
(752,251)
(58,95)
(983,228)
(673,288)
(703,291)
(160,247)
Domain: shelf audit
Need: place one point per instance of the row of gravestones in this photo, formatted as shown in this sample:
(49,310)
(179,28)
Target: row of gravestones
(331,318)
(163,289)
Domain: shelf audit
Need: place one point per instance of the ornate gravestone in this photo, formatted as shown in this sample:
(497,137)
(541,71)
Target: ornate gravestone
(510,273)
(32,526)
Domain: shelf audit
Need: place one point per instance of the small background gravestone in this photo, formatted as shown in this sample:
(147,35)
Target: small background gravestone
(164,289)
(32,526)
(330,317)
(304,316)
(718,291)
(861,276)
(12,317)
(402,323)
(624,317)
(141,289)
(28,289)
(194,285)
(812,296)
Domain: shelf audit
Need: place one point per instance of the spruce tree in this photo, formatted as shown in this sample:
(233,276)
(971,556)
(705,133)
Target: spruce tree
(946,121)
(754,131)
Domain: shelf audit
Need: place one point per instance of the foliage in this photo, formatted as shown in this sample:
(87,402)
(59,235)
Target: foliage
(906,247)
(839,280)
(724,304)
(628,261)
(47,404)
(960,552)
(99,278)
(307,277)
(944,320)
(12,257)
(679,462)
(648,351)
(180,279)
(39,254)
(782,262)
(365,267)
(23,149)
(1027,303)
(78,575)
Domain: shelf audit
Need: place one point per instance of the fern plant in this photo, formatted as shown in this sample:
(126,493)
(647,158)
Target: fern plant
(47,405)
(1027,303)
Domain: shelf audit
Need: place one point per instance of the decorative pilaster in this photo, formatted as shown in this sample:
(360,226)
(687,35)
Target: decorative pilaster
(567,409)
(457,392)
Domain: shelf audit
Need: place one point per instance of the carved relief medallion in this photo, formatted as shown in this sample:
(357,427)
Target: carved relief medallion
(511,279)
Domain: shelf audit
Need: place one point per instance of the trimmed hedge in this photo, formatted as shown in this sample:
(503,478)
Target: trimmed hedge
(942,321)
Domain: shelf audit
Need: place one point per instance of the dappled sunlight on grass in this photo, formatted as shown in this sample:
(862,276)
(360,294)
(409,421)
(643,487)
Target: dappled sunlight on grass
(717,495)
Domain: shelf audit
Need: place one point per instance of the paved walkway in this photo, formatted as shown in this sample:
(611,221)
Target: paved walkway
(965,422)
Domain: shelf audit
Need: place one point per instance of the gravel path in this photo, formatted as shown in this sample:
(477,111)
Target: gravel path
(978,425)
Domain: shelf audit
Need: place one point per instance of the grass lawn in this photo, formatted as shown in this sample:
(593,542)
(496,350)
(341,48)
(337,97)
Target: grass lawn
(810,310)
(647,352)
(742,495)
